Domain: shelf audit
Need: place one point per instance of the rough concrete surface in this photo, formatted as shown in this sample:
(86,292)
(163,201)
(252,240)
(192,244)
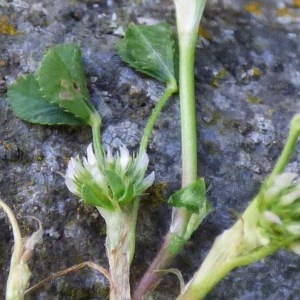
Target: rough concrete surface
(247,87)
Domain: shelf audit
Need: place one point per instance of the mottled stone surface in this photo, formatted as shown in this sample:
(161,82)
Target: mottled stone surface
(248,88)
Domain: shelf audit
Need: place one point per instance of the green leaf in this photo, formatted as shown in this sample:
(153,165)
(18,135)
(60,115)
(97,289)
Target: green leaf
(192,197)
(61,77)
(28,103)
(150,50)
(93,197)
(128,195)
(116,184)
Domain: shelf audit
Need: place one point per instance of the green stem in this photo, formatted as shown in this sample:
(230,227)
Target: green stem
(289,147)
(170,90)
(134,214)
(177,235)
(187,43)
(96,123)
(187,108)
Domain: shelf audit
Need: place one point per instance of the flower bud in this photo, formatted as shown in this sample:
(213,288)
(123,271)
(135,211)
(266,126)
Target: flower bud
(279,206)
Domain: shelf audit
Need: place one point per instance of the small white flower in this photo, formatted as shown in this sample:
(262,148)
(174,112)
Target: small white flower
(279,183)
(109,156)
(74,171)
(293,228)
(272,218)
(125,158)
(148,181)
(90,155)
(90,164)
(290,198)
(142,163)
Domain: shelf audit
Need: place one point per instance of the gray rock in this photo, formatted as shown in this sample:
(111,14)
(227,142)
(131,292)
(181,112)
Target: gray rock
(247,88)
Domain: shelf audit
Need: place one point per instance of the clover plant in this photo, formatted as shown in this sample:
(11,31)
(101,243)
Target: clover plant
(114,181)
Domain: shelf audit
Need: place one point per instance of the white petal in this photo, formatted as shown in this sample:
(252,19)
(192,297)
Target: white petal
(284,180)
(295,247)
(90,155)
(76,166)
(97,175)
(290,198)
(124,157)
(70,170)
(272,218)
(86,163)
(148,181)
(142,163)
(262,238)
(294,228)
(71,185)
(109,156)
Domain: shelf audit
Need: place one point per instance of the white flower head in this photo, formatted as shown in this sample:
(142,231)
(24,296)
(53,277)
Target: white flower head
(130,169)
(279,205)
(86,180)
(119,179)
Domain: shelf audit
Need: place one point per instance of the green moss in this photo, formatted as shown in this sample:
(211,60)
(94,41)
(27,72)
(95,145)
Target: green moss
(216,116)
(219,77)
(253,99)
(212,148)
(155,194)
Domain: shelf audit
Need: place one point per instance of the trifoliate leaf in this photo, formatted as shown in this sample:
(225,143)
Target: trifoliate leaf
(150,50)
(61,78)
(28,103)
(192,197)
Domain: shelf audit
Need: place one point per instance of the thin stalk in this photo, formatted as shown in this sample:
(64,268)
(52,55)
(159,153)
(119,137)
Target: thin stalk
(176,237)
(289,147)
(187,43)
(134,214)
(170,248)
(96,123)
(187,108)
(170,90)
